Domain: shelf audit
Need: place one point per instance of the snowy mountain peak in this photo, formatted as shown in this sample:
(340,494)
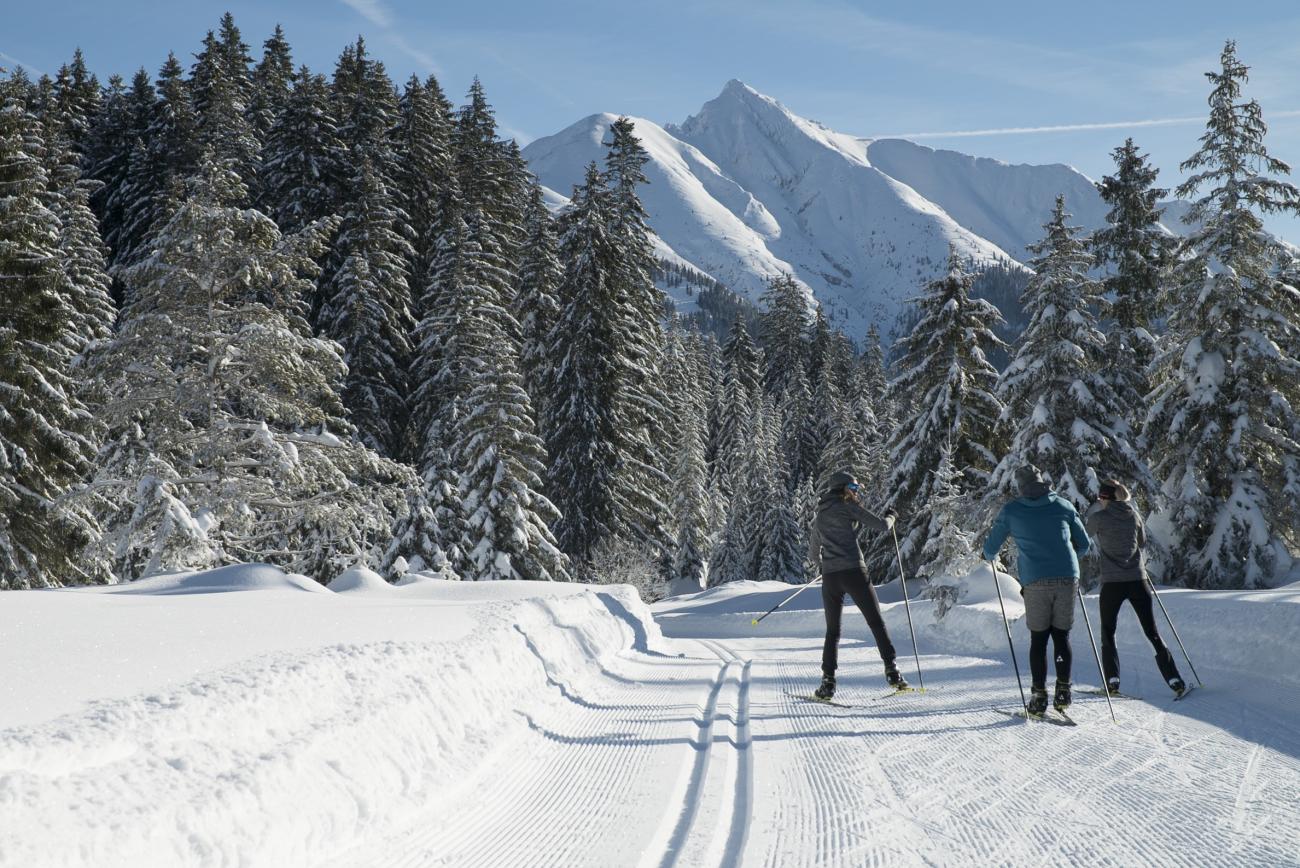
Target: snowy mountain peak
(746,189)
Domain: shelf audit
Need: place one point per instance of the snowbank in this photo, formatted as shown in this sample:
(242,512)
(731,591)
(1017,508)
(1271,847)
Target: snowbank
(183,726)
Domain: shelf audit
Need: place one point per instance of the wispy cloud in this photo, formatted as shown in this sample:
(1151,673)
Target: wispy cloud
(1068,128)
(16,62)
(378,14)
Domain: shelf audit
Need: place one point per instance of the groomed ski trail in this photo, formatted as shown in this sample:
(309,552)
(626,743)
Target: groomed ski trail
(707,760)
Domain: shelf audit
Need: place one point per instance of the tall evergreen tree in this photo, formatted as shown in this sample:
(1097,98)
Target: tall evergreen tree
(536,304)
(1139,252)
(947,384)
(784,325)
(424,167)
(303,165)
(733,414)
(1223,425)
(77,103)
(272,85)
(45,443)
(1064,416)
(221,87)
(122,122)
(368,311)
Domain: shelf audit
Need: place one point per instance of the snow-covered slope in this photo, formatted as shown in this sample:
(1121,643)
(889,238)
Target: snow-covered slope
(746,189)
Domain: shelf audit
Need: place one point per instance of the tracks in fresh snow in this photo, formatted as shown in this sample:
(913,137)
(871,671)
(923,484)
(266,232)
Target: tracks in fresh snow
(706,760)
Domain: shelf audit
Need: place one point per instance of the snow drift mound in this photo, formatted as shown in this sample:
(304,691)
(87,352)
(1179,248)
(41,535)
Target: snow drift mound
(237,577)
(359,580)
(291,757)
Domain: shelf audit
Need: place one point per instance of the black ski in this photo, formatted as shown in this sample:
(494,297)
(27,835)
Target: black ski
(1063,720)
(1094,692)
(808,697)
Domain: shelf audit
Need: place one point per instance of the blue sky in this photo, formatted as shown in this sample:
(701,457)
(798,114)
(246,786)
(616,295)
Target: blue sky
(871,69)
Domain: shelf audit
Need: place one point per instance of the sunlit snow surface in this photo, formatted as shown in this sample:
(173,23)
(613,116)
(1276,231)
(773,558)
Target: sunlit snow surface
(245,717)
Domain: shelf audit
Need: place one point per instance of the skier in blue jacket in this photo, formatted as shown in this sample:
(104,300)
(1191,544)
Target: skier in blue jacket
(1049,537)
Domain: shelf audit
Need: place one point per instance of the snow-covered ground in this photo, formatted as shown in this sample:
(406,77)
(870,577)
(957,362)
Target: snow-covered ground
(245,717)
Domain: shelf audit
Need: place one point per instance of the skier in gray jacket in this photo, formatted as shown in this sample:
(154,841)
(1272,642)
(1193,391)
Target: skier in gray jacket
(1120,535)
(833,545)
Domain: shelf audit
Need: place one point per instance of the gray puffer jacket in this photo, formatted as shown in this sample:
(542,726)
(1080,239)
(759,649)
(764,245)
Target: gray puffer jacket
(1120,536)
(833,542)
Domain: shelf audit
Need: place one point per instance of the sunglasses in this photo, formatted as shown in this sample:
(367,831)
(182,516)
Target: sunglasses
(852,486)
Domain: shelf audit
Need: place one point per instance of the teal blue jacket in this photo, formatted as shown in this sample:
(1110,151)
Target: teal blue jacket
(1048,533)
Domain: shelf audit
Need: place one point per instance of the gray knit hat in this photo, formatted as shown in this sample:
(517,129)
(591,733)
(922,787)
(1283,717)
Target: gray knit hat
(1029,478)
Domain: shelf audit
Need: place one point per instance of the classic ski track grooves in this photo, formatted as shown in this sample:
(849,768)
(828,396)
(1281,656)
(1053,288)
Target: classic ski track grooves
(653,758)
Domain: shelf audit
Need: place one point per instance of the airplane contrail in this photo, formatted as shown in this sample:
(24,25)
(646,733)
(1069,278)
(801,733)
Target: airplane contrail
(1066,128)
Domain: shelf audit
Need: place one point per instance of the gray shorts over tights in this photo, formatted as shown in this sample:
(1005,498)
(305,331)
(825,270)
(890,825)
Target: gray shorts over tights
(1049,603)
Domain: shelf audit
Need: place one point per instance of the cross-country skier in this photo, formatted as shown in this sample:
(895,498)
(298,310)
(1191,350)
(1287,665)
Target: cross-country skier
(1117,529)
(1049,538)
(833,546)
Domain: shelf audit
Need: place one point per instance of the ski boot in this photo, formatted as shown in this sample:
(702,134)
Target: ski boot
(1037,706)
(1112,686)
(1177,686)
(895,678)
(1061,700)
(826,689)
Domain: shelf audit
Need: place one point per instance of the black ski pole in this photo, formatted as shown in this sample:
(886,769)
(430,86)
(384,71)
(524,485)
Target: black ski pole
(1155,594)
(1011,645)
(1105,688)
(908,607)
(802,588)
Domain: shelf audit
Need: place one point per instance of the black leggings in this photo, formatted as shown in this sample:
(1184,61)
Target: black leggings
(1038,655)
(1113,595)
(854,583)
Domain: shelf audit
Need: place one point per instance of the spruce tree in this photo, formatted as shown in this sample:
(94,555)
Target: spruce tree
(947,386)
(221,88)
(272,85)
(227,438)
(45,431)
(303,165)
(424,165)
(77,103)
(1063,415)
(733,414)
(1139,252)
(536,304)
(784,325)
(368,311)
(1222,426)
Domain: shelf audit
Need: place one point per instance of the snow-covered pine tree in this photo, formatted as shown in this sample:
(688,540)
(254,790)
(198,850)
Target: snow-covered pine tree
(493,438)
(77,102)
(536,303)
(221,88)
(165,156)
(45,431)
(645,483)
(949,548)
(1139,252)
(1223,425)
(424,165)
(227,438)
(945,388)
(733,412)
(368,310)
(122,122)
(272,85)
(1062,414)
(784,329)
(690,471)
(303,164)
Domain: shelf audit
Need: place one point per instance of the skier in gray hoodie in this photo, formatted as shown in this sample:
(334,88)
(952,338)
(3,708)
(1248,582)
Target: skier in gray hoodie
(833,546)
(1120,535)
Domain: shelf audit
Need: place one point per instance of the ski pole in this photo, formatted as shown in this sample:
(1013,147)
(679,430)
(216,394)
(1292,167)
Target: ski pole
(908,607)
(1011,645)
(1155,594)
(1093,642)
(802,588)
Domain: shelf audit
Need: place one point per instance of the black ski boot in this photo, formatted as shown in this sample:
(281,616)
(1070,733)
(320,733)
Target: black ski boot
(1037,701)
(1061,700)
(826,689)
(1112,686)
(1178,686)
(895,678)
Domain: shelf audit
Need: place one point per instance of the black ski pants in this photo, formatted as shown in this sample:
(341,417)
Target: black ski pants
(1038,655)
(1113,595)
(854,583)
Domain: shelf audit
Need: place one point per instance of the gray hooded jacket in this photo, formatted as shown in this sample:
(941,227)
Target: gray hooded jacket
(1120,536)
(833,543)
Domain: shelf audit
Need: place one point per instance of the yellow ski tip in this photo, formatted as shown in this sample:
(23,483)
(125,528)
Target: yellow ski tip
(754,622)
